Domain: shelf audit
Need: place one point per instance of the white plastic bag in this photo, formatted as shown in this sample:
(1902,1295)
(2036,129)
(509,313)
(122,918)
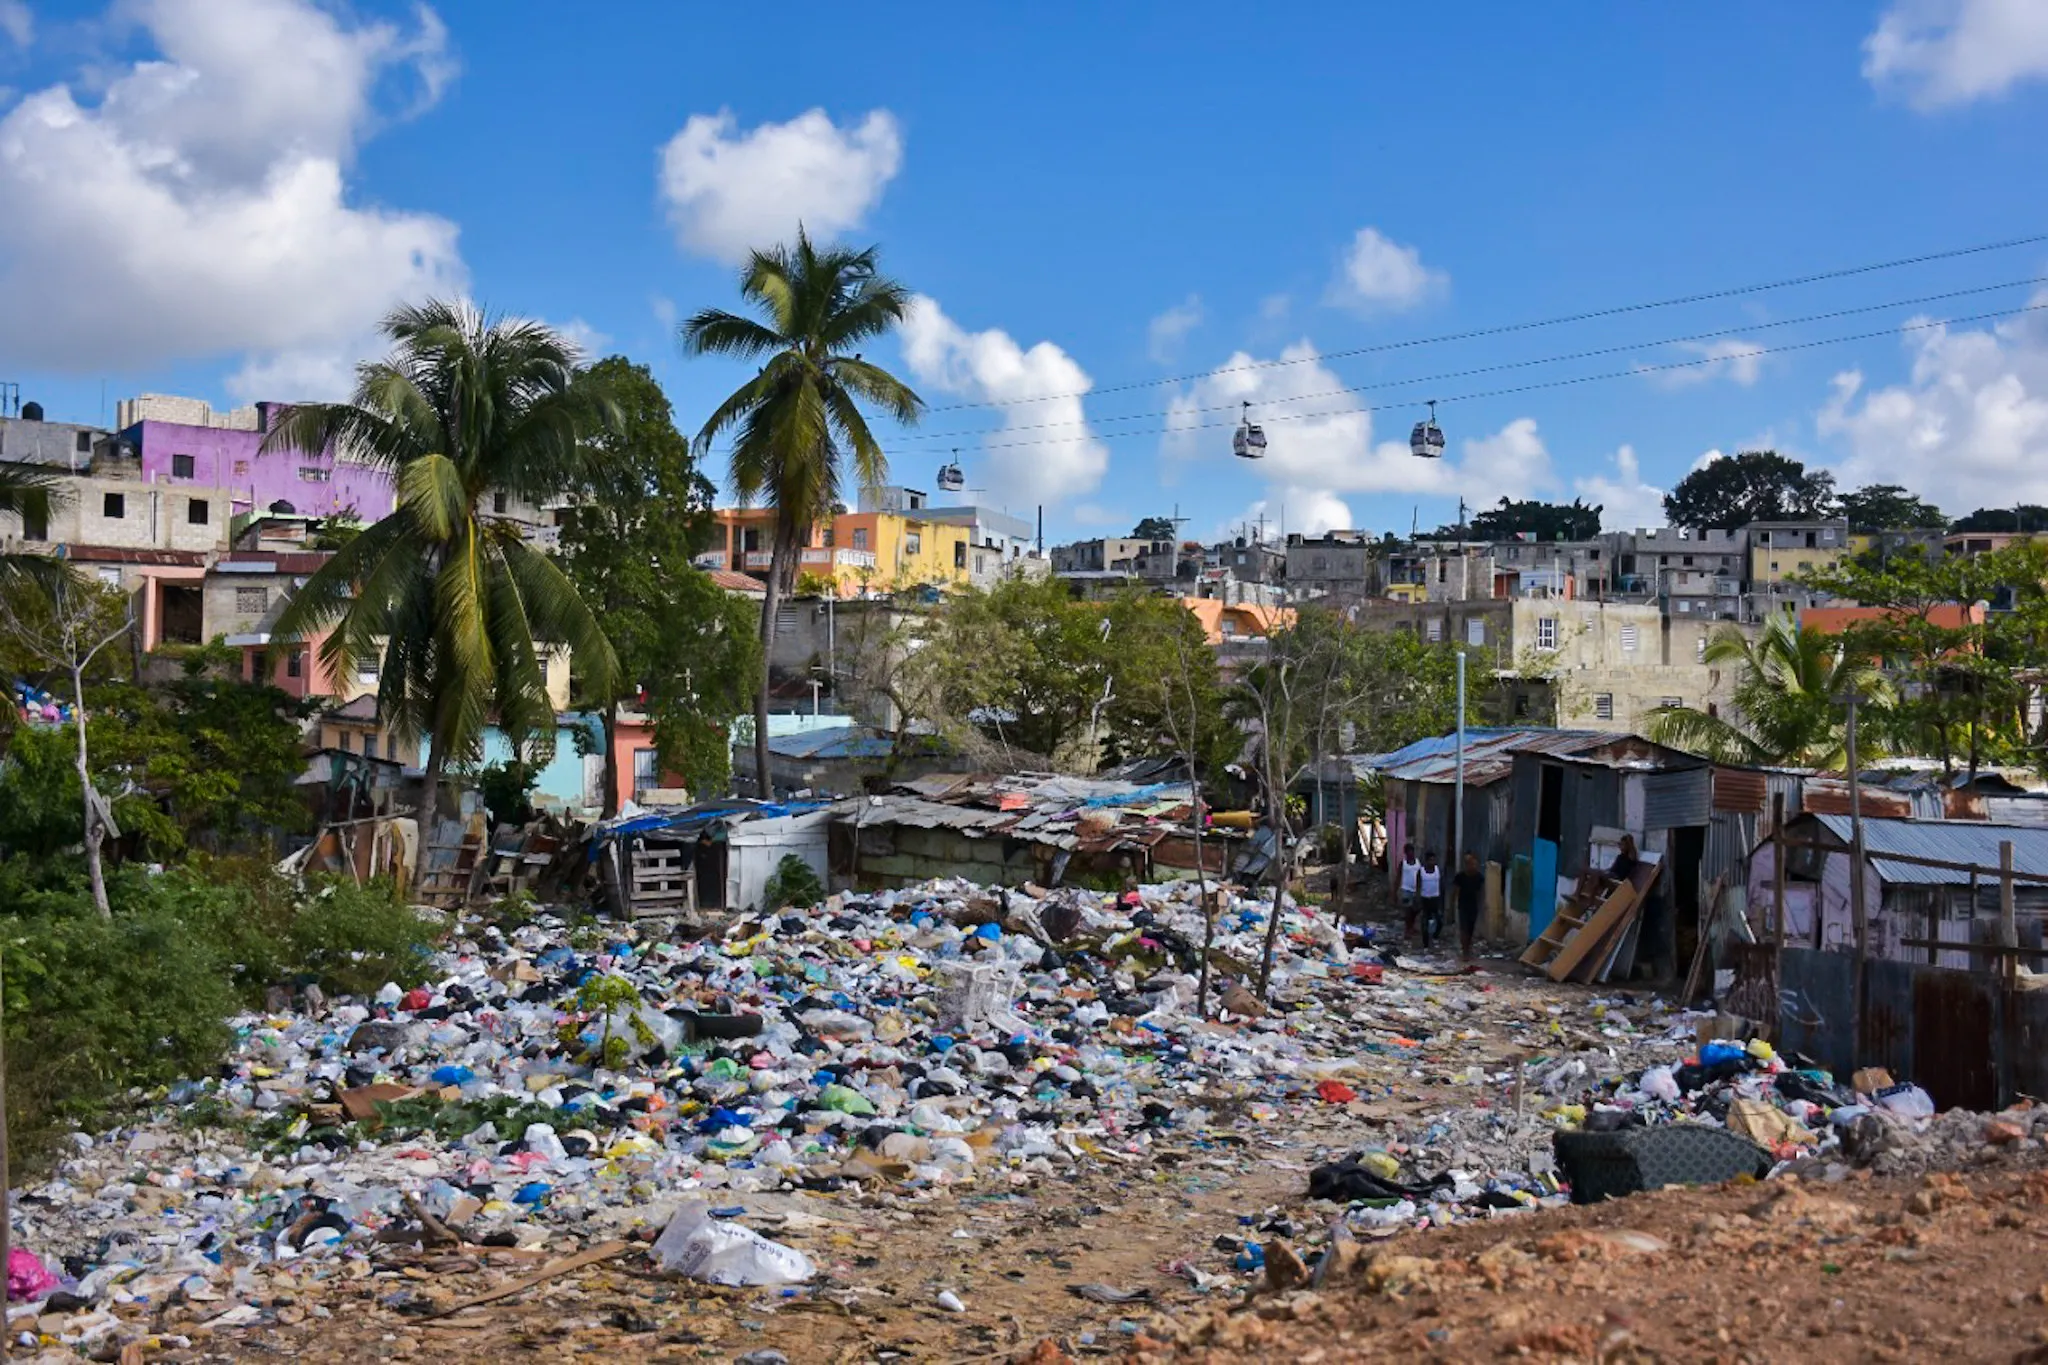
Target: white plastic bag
(698,1246)
(1659,1081)
(1907,1101)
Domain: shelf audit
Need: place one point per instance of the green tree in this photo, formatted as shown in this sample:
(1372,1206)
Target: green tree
(2027,516)
(1534,519)
(1965,671)
(1889,507)
(29,493)
(461,609)
(1788,690)
(1155,528)
(800,413)
(689,647)
(1754,485)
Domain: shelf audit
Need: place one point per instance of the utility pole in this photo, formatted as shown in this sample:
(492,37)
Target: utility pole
(1859,920)
(1458,803)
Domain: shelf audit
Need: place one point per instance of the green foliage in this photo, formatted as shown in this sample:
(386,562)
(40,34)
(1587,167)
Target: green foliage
(1753,485)
(1166,692)
(2028,516)
(1889,507)
(1154,528)
(1964,672)
(1533,518)
(816,585)
(793,883)
(39,796)
(457,603)
(791,423)
(1788,681)
(507,789)
(691,648)
(98,1006)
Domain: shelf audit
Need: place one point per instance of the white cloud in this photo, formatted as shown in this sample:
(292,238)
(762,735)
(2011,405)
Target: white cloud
(198,208)
(1320,448)
(1944,52)
(1165,333)
(729,191)
(17,22)
(1969,426)
(1094,514)
(1274,307)
(1379,274)
(1739,362)
(1625,500)
(1306,511)
(1044,451)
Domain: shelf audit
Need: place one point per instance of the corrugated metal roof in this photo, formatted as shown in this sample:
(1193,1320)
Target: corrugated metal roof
(1951,841)
(1489,753)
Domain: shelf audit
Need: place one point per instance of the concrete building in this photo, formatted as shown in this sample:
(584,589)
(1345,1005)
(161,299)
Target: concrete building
(1591,665)
(1779,551)
(1690,571)
(999,545)
(1105,555)
(1342,564)
(184,441)
(1570,569)
(1250,561)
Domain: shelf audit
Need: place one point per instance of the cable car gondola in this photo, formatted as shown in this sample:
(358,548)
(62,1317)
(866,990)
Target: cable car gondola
(1427,440)
(1250,441)
(951,478)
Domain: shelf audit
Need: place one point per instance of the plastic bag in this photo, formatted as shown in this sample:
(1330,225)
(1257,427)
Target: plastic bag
(1907,1101)
(974,996)
(698,1246)
(1659,1081)
(27,1278)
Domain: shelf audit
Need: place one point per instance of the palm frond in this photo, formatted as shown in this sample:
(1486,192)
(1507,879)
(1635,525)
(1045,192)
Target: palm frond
(1711,737)
(713,331)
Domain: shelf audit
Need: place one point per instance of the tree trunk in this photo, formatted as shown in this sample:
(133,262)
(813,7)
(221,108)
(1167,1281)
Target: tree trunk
(430,789)
(771,605)
(1276,820)
(611,759)
(95,875)
(1201,895)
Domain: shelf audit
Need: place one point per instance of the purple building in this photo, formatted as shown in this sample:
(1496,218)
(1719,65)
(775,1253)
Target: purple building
(184,440)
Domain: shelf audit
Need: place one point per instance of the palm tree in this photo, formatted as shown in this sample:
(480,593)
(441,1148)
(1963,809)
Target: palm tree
(28,493)
(1790,680)
(457,606)
(801,411)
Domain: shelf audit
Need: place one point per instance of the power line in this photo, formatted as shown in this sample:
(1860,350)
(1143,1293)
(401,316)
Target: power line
(1503,329)
(922,436)
(1631,373)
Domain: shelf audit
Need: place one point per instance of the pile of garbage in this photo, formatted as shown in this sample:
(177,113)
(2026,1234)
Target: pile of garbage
(560,1081)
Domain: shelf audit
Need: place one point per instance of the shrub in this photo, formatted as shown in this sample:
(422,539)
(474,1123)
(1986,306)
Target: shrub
(507,790)
(793,883)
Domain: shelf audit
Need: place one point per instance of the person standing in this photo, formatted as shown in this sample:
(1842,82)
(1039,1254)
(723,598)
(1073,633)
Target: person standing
(1431,880)
(1411,888)
(1470,887)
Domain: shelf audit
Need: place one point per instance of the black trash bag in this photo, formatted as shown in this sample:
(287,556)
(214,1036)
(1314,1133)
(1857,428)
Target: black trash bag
(1794,1085)
(1346,1181)
(1608,1165)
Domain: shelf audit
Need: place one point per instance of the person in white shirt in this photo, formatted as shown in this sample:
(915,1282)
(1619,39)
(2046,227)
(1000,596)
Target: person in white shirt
(1411,888)
(1431,878)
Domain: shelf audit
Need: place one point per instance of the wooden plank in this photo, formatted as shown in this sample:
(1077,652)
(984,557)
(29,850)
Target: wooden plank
(1588,937)
(608,1251)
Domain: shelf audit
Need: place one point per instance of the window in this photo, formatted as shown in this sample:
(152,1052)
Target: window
(960,555)
(1628,639)
(241,467)
(348,741)
(366,671)
(1809,540)
(750,540)
(183,466)
(1687,561)
(114,506)
(913,543)
(35,523)
(916,501)
(295,664)
(1774,566)
(1670,703)
(312,473)
(84,442)
(1475,631)
(369,746)
(1546,632)
(498,503)
(1603,706)
(860,538)
(250,601)
(1436,631)
(645,771)
(110,577)
(1521,706)
(198,511)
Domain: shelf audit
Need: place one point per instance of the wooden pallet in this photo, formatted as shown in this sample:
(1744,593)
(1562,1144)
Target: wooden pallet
(661,877)
(1580,926)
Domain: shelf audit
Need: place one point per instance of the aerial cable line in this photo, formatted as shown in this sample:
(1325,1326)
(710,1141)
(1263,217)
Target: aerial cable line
(916,436)
(1633,372)
(1503,329)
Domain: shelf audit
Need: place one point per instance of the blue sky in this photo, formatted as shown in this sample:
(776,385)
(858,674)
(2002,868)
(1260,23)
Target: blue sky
(220,197)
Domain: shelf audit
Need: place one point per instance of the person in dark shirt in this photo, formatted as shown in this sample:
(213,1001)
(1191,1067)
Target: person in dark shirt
(1624,865)
(1470,886)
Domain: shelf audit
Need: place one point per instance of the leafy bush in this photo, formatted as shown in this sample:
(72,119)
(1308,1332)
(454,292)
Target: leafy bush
(508,791)
(793,883)
(96,1007)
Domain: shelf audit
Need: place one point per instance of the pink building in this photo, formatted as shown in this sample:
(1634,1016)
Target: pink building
(186,441)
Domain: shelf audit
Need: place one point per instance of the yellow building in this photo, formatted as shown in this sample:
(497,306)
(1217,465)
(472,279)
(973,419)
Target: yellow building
(908,551)
(1780,550)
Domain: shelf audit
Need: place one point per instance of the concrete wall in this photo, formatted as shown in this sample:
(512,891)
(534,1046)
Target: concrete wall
(230,458)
